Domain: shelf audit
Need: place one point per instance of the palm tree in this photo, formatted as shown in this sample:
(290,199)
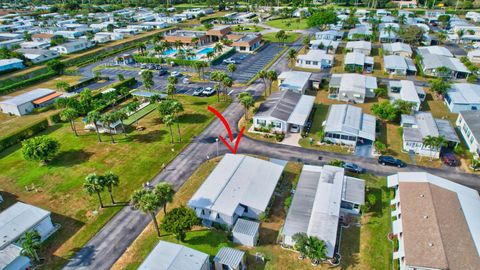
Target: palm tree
(300,240)
(142,47)
(316,249)
(178,45)
(232,68)
(70,114)
(177,108)
(168,121)
(133,106)
(429,142)
(329,48)
(147,202)
(165,193)
(210,55)
(263,74)
(108,120)
(195,42)
(94,184)
(218,47)
(247,101)
(306,42)
(111,180)
(292,56)
(443,71)
(389,29)
(122,115)
(460,34)
(31,242)
(171,90)
(440,142)
(93,117)
(272,76)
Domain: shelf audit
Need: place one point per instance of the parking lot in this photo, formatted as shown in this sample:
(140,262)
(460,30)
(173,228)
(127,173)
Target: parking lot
(248,65)
(160,81)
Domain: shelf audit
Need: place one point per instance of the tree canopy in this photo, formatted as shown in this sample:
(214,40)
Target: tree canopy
(179,221)
(322,18)
(40,148)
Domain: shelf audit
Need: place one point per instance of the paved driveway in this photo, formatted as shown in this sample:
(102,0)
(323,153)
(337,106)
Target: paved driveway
(364,149)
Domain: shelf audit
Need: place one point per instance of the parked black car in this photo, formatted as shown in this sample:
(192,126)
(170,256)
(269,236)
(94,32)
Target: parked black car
(352,167)
(391,161)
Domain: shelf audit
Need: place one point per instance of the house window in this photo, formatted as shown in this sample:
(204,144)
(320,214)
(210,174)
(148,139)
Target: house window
(261,122)
(315,63)
(276,124)
(308,62)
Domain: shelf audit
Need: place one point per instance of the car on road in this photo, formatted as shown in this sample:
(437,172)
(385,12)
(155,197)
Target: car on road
(450,159)
(352,167)
(175,74)
(208,91)
(162,72)
(391,161)
(186,81)
(198,91)
(229,61)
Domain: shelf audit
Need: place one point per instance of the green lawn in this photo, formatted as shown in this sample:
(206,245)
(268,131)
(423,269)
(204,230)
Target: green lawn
(140,114)
(291,37)
(368,247)
(136,158)
(288,24)
(247,28)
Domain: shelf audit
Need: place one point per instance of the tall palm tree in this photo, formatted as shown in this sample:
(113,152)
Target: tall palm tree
(147,202)
(178,45)
(122,115)
(108,119)
(111,180)
(168,121)
(93,117)
(440,142)
(142,47)
(263,74)
(272,76)
(460,34)
(94,184)
(218,47)
(292,56)
(171,90)
(429,142)
(70,115)
(210,55)
(31,242)
(389,29)
(133,106)
(247,102)
(177,108)
(165,193)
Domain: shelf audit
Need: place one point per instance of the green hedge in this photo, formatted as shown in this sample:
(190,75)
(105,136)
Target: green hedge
(23,134)
(148,60)
(27,82)
(220,58)
(125,83)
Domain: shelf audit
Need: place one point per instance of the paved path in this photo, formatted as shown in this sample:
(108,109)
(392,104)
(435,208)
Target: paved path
(118,234)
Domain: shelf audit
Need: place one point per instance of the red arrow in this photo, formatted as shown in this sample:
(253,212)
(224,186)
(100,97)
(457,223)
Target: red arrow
(229,130)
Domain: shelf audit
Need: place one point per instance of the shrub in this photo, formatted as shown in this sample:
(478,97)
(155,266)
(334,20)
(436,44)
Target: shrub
(40,148)
(287,203)
(371,201)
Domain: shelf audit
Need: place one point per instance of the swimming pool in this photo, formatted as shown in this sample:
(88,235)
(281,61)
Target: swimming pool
(169,51)
(205,51)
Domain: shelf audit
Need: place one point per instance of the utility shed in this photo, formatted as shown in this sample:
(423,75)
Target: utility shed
(245,232)
(229,258)
(170,256)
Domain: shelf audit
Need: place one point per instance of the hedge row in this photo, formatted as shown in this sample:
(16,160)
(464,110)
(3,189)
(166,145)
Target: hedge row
(103,55)
(220,58)
(27,82)
(23,134)
(154,60)
(125,83)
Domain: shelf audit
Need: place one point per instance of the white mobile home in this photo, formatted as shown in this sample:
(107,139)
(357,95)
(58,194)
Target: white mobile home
(468,122)
(26,102)
(166,256)
(352,87)
(297,81)
(463,97)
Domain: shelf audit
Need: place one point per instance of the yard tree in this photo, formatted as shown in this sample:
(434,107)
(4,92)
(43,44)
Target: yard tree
(263,74)
(429,142)
(222,80)
(56,66)
(142,47)
(381,92)
(93,117)
(111,180)
(147,78)
(40,148)
(122,115)
(232,68)
(218,47)
(110,27)
(322,18)
(385,111)
(120,77)
(281,35)
(133,106)
(439,86)
(165,107)
(108,119)
(292,56)
(247,102)
(443,72)
(403,107)
(306,41)
(165,193)
(180,220)
(272,76)
(380,147)
(226,83)
(31,242)
(300,240)
(147,202)
(62,85)
(168,120)
(70,115)
(94,184)
(172,80)
(411,34)
(177,108)
(170,89)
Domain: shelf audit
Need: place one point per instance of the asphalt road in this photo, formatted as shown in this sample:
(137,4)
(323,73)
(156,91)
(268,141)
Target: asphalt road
(116,236)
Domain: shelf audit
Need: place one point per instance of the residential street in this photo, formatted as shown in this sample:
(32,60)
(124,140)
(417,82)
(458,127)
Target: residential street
(116,236)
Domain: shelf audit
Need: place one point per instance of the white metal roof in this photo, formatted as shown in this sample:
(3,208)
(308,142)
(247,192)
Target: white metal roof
(437,50)
(395,62)
(350,120)
(295,80)
(408,91)
(469,198)
(229,256)
(464,93)
(18,219)
(363,45)
(170,256)
(316,55)
(351,82)
(246,227)
(355,58)
(302,110)
(238,179)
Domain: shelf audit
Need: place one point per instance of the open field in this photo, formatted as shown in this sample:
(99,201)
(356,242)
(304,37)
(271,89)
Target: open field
(136,158)
(291,37)
(288,24)
(211,240)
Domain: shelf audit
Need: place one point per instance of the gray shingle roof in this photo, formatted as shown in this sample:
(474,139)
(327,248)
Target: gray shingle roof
(472,119)
(229,256)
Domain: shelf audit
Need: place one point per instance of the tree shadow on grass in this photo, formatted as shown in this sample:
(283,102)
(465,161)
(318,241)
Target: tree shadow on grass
(149,137)
(350,247)
(213,237)
(199,103)
(192,118)
(70,158)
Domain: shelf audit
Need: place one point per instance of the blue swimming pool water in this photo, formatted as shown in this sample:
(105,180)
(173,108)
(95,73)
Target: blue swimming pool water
(169,51)
(205,51)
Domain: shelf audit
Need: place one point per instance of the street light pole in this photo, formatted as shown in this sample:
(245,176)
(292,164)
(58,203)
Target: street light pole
(217,145)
